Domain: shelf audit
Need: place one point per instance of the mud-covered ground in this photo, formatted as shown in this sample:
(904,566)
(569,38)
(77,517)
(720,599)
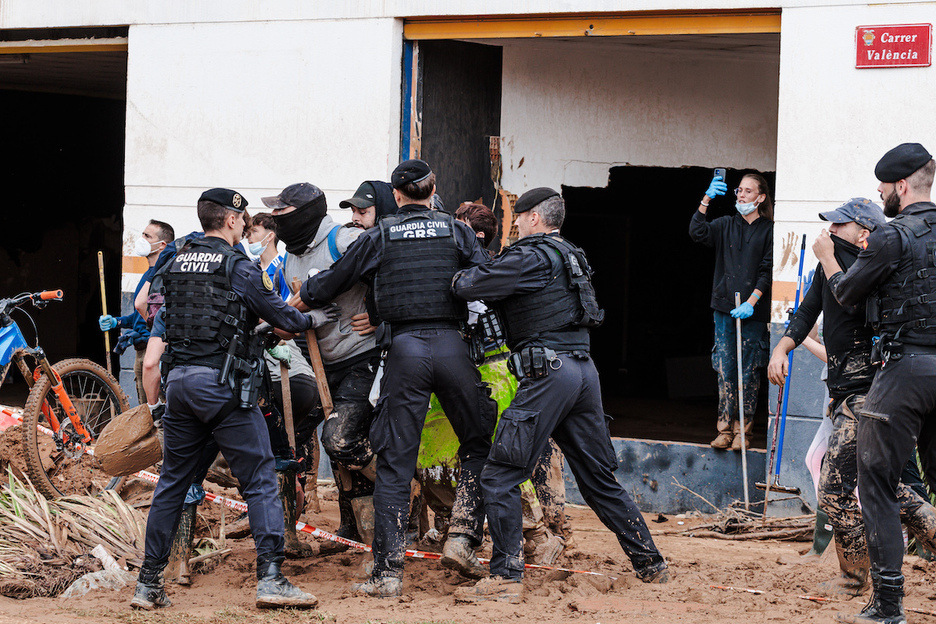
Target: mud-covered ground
(226,593)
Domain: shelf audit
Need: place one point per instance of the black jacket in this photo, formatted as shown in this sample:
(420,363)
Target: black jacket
(847,338)
(743,259)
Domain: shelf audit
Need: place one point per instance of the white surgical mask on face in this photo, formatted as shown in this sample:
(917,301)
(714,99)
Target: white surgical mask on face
(746,209)
(142,247)
(257,248)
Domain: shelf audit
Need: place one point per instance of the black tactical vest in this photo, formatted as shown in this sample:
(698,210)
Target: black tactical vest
(558,315)
(202,313)
(907,300)
(420,257)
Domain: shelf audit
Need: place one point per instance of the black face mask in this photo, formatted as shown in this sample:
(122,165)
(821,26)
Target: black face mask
(297,229)
(845,252)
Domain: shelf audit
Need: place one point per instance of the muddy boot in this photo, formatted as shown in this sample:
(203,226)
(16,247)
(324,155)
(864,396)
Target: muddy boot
(723,441)
(853,579)
(822,534)
(363,508)
(347,527)
(541,546)
(379,587)
(177,570)
(885,606)
(656,574)
(459,554)
(274,590)
(150,590)
(497,588)
(736,432)
(295,548)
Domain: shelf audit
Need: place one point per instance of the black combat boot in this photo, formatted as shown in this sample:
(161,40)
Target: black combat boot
(177,570)
(885,606)
(347,527)
(275,591)
(150,589)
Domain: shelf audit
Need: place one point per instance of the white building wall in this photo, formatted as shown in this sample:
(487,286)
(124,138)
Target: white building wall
(255,107)
(572,110)
(836,121)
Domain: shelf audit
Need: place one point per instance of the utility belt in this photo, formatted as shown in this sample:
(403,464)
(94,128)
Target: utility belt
(887,350)
(535,362)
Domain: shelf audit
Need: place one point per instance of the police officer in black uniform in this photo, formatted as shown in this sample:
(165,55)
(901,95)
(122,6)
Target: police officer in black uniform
(213,297)
(542,288)
(410,258)
(897,271)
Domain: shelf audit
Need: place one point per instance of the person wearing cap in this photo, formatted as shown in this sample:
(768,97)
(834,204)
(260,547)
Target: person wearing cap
(348,348)
(156,235)
(896,274)
(542,288)
(410,258)
(743,245)
(372,200)
(848,342)
(214,296)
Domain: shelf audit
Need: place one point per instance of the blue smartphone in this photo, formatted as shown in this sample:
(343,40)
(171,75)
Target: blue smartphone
(720,171)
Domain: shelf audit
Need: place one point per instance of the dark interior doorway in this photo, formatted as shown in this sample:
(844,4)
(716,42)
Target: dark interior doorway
(461,105)
(654,349)
(62,173)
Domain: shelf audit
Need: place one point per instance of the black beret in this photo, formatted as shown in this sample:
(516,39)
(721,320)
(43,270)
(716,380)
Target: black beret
(901,162)
(409,171)
(533,197)
(232,200)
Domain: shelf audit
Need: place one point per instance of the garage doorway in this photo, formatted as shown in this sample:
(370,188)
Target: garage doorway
(62,96)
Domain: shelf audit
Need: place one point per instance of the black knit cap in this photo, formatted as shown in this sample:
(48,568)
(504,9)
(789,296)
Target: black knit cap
(232,200)
(531,198)
(410,171)
(901,162)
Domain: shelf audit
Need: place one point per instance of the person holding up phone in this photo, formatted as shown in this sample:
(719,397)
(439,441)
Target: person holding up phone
(743,244)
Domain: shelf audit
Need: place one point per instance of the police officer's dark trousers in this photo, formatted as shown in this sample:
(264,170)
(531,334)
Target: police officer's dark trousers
(419,362)
(565,404)
(900,410)
(194,399)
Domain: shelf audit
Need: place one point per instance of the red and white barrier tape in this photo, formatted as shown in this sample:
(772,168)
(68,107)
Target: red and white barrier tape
(316,532)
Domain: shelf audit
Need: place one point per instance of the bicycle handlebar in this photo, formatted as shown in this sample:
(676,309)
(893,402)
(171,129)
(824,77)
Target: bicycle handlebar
(46,295)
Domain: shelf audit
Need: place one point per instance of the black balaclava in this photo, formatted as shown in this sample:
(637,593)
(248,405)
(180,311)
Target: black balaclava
(297,229)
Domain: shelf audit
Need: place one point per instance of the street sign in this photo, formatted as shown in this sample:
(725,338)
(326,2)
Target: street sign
(894,45)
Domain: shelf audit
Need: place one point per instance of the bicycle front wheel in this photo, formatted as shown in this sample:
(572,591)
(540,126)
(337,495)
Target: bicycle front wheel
(60,465)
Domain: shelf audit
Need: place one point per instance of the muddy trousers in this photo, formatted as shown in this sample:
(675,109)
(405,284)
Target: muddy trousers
(566,404)
(899,411)
(754,344)
(304,401)
(194,399)
(420,362)
(838,479)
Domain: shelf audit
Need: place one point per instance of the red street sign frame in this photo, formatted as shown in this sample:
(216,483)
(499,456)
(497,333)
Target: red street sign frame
(893,45)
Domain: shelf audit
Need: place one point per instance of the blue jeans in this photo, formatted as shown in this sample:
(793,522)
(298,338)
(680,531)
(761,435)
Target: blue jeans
(754,344)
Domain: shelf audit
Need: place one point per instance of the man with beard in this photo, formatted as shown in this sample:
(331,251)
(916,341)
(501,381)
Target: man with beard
(372,200)
(897,271)
(848,347)
(410,258)
(348,348)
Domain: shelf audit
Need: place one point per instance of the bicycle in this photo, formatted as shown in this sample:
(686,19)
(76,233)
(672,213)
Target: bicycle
(69,404)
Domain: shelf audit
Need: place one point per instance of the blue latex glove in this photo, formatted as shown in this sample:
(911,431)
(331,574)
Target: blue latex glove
(716,187)
(107,322)
(743,311)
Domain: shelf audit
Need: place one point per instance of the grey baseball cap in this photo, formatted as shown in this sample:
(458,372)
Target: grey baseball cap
(861,210)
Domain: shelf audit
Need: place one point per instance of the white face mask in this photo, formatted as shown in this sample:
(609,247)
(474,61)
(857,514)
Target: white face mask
(142,247)
(745,209)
